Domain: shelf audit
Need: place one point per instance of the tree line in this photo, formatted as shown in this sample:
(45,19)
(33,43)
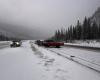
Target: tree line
(88,30)
(6,38)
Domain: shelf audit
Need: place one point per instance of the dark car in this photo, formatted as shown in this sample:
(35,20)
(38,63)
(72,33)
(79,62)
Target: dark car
(15,44)
(39,42)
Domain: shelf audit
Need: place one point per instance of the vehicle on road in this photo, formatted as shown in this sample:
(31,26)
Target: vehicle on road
(39,42)
(15,44)
(52,43)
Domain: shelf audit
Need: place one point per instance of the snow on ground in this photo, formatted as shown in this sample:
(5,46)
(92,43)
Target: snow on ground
(63,68)
(85,57)
(36,63)
(88,43)
(4,44)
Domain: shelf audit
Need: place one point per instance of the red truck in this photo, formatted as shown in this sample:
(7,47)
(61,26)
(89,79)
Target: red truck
(51,43)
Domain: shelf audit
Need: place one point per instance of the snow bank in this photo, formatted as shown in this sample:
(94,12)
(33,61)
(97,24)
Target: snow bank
(90,43)
(4,44)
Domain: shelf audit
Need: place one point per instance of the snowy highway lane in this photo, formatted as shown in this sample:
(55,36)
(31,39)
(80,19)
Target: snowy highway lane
(30,62)
(88,58)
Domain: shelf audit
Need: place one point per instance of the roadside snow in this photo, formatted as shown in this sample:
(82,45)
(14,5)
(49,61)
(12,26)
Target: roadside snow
(36,63)
(87,43)
(4,44)
(90,59)
(63,69)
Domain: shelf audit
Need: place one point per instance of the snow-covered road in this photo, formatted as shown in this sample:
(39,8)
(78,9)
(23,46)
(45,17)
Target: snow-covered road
(86,57)
(30,62)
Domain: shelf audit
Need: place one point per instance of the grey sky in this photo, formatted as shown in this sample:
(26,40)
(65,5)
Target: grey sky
(40,18)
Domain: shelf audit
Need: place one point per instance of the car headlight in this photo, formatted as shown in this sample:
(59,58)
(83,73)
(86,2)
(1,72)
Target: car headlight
(17,43)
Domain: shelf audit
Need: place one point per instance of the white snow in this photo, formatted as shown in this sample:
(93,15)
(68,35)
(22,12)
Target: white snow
(87,43)
(67,68)
(85,57)
(4,44)
(36,63)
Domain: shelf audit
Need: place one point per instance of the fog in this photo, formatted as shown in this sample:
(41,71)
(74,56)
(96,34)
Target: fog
(38,19)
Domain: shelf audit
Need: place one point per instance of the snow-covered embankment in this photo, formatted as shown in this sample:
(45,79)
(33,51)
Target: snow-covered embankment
(4,44)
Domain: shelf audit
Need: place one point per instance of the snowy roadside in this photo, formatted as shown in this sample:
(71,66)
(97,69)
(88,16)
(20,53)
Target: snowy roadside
(59,67)
(88,44)
(89,59)
(31,62)
(4,44)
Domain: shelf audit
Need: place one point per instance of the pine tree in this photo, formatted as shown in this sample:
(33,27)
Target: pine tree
(84,29)
(94,31)
(71,33)
(78,30)
(89,36)
(99,31)
(66,35)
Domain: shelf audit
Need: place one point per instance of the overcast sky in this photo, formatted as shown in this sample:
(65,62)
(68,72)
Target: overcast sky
(40,18)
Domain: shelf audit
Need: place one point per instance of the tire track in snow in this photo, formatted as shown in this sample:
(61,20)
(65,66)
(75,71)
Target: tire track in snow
(73,58)
(79,58)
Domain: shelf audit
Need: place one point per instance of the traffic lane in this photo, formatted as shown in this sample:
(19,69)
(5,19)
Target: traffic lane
(70,66)
(87,57)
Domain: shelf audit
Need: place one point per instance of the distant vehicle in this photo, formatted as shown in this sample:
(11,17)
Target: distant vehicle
(52,43)
(15,44)
(39,42)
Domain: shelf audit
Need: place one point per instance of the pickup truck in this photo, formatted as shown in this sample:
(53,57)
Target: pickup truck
(51,43)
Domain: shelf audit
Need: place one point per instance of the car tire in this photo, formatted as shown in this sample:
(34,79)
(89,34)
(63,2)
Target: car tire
(57,46)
